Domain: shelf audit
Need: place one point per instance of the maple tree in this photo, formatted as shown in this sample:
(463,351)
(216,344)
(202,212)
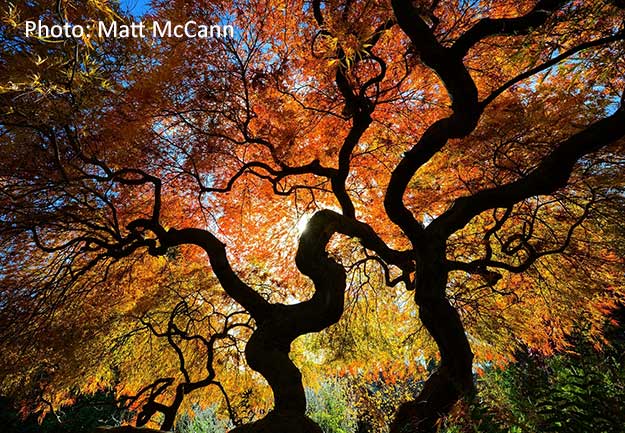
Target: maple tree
(467,153)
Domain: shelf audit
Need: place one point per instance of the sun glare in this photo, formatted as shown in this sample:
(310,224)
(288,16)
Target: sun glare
(302,223)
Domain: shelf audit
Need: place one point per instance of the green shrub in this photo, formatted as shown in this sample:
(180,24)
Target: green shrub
(202,421)
(330,407)
(88,412)
(581,390)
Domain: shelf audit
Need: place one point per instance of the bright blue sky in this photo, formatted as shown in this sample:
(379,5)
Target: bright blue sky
(135,7)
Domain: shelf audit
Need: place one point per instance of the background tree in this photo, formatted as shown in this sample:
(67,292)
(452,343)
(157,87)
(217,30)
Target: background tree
(468,152)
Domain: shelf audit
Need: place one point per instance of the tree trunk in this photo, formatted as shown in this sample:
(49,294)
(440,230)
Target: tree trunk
(453,379)
(170,414)
(270,357)
(267,352)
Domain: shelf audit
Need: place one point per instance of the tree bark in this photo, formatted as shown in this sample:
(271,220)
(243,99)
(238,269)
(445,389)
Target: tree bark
(453,378)
(267,351)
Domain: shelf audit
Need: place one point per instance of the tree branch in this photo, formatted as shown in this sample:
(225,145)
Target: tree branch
(549,176)
(488,27)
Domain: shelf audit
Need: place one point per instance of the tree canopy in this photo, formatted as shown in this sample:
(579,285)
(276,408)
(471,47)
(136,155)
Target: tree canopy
(341,187)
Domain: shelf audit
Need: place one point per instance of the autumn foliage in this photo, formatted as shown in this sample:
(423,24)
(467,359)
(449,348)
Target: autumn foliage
(345,188)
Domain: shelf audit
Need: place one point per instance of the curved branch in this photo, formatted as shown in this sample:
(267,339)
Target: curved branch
(466,112)
(555,60)
(488,27)
(550,175)
(247,297)
(480,266)
(447,64)
(313,167)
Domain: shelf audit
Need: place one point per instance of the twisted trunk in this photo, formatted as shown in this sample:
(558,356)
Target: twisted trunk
(453,379)
(267,351)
